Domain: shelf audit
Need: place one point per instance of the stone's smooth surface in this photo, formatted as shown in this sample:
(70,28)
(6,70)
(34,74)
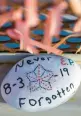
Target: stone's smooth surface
(74,40)
(4,38)
(12,45)
(69,17)
(42,82)
(64,46)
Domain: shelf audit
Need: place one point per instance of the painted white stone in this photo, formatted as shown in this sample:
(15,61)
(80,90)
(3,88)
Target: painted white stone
(41,82)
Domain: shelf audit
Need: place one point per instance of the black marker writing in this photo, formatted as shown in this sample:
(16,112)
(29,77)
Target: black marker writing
(66,70)
(21,82)
(59,93)
(63,91)
(71,86)
(62,71)
(30,62)
(54,97)
(7,88)
(36,59)
(48,58)
(32,102)
(20,102)
(42,58)
(19,65)
(48,99)
(67,89)
(39,101)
